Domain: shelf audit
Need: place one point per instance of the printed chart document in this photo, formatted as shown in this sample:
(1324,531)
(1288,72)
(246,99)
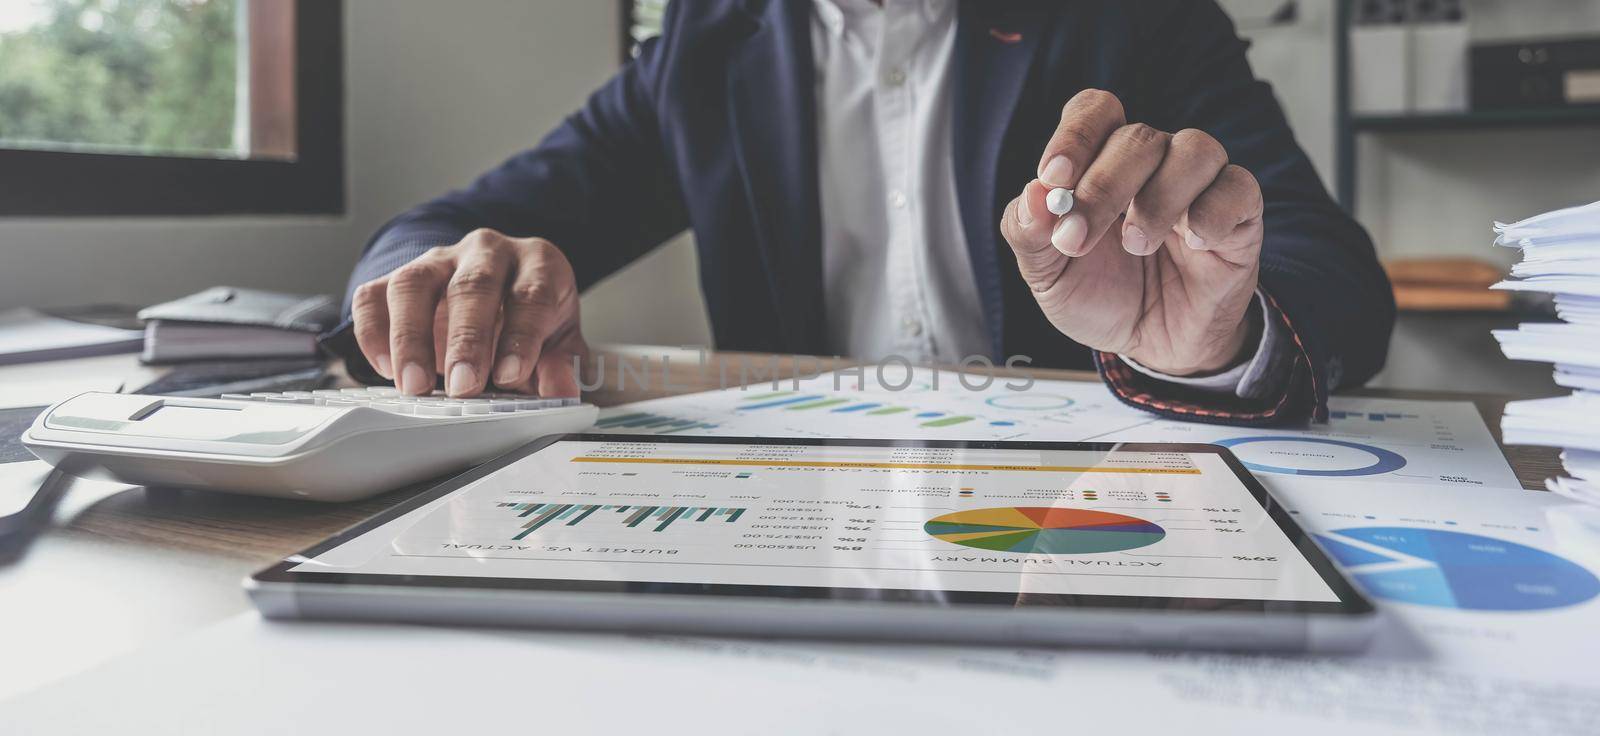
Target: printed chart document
(1443,443)
(933,519)
(930,406)
(1366,439)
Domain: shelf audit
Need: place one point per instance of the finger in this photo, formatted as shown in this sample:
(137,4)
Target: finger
(441,333)
(369,309)
(556,374)
(474,296)
(413,294)
(1193,162)
(1026,226)
(1087,120)
(1126,162)
(1230,205)
(1027,220)
(542,297)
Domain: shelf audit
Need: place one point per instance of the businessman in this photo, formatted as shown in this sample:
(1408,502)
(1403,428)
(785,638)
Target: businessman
(869,178)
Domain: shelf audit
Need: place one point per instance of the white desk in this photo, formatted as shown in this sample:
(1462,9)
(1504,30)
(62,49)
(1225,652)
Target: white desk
(124,570)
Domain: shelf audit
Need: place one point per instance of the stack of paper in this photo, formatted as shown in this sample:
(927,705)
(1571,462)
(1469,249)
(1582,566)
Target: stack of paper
(1560,257)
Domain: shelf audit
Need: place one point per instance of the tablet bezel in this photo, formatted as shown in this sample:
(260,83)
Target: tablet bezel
(1350,600)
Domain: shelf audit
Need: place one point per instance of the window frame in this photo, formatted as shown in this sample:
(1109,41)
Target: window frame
(50,183)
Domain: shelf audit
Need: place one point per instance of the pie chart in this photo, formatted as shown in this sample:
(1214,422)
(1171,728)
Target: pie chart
(1316,456)
(1445,569)
(1029,402)
(1044,531)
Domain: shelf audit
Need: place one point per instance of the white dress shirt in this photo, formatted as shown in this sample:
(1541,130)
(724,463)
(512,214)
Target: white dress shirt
(897,279)
(896,276)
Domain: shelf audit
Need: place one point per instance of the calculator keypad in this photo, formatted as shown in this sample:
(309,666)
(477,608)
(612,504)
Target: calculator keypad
(389,399)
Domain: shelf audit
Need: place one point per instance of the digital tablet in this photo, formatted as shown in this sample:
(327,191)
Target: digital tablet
(1156,545)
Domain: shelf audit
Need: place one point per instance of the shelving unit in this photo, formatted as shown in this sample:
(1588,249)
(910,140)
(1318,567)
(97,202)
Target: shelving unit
(1350,125)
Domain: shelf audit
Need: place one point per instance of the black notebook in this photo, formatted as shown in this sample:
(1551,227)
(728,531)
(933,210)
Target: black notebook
(225,322)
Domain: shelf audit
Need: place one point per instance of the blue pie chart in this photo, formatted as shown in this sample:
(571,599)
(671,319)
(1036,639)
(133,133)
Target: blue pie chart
(1313,456)
(1446,569)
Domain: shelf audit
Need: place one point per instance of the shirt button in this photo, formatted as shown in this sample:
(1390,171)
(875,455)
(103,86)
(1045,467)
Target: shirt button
(895,77)
(897,199)
(912,327)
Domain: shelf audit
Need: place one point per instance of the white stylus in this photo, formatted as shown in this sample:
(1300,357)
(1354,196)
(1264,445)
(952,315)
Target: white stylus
(1059,201)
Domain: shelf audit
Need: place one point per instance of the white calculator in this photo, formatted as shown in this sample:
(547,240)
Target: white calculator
(331,445)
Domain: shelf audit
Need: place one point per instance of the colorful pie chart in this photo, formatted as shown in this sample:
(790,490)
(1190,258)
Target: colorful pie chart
(1044,531)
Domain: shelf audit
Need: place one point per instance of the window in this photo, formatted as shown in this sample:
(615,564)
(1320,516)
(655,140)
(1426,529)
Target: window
(167,107)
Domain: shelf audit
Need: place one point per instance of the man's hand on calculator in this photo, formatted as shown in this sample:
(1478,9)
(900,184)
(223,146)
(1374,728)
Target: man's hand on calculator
(488,303)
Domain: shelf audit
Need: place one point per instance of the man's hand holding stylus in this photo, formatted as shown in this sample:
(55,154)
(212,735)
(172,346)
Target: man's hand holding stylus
(1158,258)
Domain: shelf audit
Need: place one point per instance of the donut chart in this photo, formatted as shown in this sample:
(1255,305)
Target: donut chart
(1469,572)
(1312,456)
(1042,530)
(1030,402)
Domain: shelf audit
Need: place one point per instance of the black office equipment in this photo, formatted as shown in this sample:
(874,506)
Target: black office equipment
(12,423)
(212,378)
(1542,73)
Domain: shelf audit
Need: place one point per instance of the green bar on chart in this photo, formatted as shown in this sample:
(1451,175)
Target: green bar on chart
(588,509)
(676,512)
(946,421)
(697,425)
(886,410)
(618,419)
(818,404)
(639,515)
(768,396)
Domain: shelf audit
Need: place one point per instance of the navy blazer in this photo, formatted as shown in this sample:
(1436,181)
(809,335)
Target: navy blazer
(713,128)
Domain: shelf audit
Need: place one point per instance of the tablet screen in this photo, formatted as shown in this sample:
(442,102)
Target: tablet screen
(894,520)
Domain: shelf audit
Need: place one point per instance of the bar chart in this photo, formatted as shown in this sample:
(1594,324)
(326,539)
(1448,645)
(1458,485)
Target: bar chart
(862,407)
(646,422)
(655,518)
(1054,410)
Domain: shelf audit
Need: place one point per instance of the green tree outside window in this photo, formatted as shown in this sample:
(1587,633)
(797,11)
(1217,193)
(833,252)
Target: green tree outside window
(135,76)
